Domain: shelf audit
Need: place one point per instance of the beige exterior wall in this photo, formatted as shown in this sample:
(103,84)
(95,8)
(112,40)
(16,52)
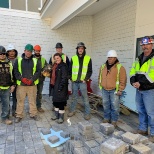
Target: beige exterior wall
(144,18)
(21,28)
(114,28)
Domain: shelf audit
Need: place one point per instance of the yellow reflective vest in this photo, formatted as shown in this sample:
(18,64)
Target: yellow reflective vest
(42,62)
(75,67)
(34,70)
(146,69)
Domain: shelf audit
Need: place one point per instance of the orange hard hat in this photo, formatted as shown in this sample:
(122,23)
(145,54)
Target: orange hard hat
(37,47)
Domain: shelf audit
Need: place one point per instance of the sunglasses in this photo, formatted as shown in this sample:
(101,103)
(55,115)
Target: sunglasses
(2,53)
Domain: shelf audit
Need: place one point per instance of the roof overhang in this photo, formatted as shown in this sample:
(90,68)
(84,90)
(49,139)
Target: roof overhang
(61,11)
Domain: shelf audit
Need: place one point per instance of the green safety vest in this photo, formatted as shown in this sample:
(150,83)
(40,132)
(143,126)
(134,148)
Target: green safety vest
(34,70)
(11,68)
(117,81)
(146,69)
(42,62)
(75,67)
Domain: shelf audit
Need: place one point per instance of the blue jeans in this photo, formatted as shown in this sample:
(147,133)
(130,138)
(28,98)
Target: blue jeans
(83,89)
(39,94)
(110,105)
(145,107)
(5,100)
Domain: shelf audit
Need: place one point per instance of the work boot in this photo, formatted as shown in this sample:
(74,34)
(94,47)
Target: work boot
(151,138)
(36,118)
(7,122)
(106,121)
(18,119)
(114,123)
(145,133)
(70,114)
(61,118)
(87,117)
(55,116)
(40,109)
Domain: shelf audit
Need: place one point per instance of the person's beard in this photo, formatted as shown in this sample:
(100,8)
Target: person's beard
(37,55)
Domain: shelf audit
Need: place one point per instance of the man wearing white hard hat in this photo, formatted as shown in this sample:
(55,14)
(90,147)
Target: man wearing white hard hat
(12,54)
(112,81)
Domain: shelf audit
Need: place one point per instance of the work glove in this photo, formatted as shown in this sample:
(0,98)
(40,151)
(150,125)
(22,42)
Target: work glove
(24,80)
(29,82)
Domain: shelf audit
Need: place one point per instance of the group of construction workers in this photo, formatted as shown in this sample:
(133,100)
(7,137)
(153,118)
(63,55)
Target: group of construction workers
(22,77)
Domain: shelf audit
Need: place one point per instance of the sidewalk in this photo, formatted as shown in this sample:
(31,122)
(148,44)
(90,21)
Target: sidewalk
(24,137)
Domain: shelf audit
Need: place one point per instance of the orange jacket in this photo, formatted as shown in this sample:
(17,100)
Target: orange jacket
(109,79)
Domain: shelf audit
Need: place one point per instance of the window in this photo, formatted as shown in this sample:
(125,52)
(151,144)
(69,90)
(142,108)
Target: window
(4,3)
(138,47)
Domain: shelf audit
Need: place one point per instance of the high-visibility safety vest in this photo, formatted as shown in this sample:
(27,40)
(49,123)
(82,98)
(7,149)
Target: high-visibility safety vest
(34,70)
(117,81)
(11,68)
(42,62)
(146,69)
(63,56)
(75,67)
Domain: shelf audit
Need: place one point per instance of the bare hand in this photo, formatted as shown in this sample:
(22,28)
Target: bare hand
(119,93)
(136,85)
(12,89)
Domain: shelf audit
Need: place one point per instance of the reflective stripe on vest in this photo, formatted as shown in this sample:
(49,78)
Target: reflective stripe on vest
(11,68)
(42,62)
(117,81)
(34,70)
(75,67)
(146,69)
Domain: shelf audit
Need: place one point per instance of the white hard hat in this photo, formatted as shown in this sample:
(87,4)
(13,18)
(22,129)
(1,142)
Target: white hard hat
(10,47)
(112,53)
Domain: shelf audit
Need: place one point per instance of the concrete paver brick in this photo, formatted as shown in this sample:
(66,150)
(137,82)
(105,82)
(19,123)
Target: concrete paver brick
(131,138)
(85,126)
(95,150)
(106,128)
(118,134)
(53,139)
(140,149)
(112,146)
(80,151)
(45,131)
(151,146)
(127,147)
(64,134)
(85,132)
(143,139)
(88,137)
(90,144)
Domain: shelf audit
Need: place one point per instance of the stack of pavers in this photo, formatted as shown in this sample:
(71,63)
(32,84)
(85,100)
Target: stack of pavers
(136,143)
(86,131)
(108,141)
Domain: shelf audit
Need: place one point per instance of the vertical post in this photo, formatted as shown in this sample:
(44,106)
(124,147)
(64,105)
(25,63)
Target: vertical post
(26,1)
(9,4)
